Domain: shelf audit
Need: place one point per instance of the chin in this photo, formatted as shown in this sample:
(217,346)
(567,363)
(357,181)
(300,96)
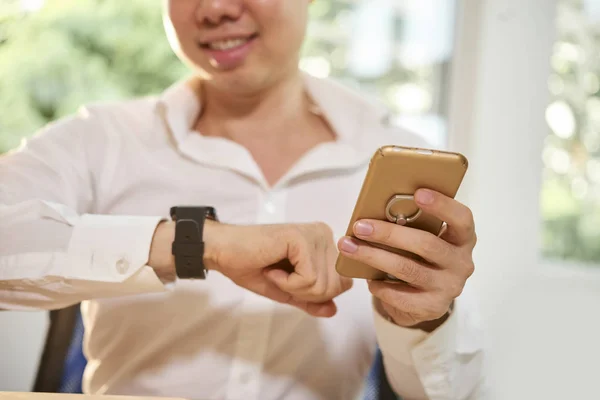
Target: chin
(241,83)
(243,79)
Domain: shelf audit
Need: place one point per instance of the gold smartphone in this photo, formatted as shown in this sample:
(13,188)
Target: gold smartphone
(395,173)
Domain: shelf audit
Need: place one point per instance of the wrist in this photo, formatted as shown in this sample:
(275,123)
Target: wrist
(426,326)
(430,326)
(160,257)
(212,244)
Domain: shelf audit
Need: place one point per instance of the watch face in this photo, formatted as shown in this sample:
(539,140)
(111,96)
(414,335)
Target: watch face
(191,212)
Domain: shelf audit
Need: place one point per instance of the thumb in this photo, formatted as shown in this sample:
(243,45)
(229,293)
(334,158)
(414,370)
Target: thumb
(278,276)
(281,279)
(288,282)
(324,310)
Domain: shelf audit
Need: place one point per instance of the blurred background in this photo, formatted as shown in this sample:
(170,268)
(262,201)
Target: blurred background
(514,85)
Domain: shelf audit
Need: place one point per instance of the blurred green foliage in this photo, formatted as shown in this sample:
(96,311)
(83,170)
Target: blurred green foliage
(73,52)
(570,197)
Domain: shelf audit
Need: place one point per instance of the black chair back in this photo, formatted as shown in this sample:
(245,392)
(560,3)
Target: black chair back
(58,339)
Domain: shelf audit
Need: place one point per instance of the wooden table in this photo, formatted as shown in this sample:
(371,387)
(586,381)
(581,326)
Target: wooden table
(61,396)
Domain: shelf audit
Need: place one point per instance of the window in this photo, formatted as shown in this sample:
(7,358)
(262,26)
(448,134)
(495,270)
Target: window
(571,178)
(397,51)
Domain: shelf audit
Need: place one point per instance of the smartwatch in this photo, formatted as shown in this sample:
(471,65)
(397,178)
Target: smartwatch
(188,246)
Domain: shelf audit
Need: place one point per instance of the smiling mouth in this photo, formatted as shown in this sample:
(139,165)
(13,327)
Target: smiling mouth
(227,44)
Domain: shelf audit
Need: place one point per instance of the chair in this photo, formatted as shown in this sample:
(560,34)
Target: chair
(377,386)
(62,363)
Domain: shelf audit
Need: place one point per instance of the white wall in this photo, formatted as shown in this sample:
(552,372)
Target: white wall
(541,320)
(22,336)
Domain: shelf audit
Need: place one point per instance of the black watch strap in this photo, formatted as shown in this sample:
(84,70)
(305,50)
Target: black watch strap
(188,246)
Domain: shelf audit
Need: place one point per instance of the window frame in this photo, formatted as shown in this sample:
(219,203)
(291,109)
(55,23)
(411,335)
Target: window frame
(502,43)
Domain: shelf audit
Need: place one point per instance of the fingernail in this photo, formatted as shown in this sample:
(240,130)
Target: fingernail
(348,245)
(363,228)
(424,196)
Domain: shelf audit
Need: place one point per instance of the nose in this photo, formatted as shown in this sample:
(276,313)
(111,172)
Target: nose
(216,12)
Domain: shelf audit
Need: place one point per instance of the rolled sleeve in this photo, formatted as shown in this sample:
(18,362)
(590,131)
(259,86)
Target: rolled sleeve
(446,364)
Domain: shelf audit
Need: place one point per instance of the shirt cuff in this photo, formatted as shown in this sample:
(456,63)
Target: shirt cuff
(396,341)
(111,248)
(434,356)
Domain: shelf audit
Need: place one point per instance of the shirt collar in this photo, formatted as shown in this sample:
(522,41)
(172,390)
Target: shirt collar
(345,111)
(179,107)
(354,120)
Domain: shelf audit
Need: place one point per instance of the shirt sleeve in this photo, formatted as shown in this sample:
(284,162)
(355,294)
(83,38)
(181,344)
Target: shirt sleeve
(54,251)
(446,364)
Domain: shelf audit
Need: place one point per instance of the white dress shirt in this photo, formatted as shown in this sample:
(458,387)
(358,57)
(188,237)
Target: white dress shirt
(79,205)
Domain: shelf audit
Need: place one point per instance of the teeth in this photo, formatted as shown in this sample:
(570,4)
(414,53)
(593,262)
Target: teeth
(227,44)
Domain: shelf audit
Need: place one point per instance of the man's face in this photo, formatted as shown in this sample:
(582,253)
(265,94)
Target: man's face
(238,44)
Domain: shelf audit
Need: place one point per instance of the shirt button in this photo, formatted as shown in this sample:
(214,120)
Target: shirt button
(270,207)
(122,266)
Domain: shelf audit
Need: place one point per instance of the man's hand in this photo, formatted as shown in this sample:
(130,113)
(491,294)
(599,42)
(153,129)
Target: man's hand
(288,263)
(432,285)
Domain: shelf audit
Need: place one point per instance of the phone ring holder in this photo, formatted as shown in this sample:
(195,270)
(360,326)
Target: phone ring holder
(401,219)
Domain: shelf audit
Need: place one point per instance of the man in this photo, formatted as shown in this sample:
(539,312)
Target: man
(85,217)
